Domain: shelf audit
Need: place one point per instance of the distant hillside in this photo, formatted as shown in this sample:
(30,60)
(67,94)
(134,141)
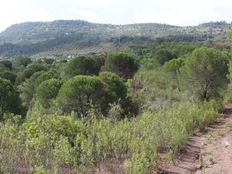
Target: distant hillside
(64,37)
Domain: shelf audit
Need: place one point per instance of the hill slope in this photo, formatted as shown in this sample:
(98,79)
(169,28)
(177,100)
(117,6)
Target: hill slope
(74,36)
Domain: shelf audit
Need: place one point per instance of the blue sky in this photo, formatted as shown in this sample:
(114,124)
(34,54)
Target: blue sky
(175,12)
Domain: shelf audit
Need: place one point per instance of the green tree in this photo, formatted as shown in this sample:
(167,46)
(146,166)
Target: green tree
(47,91)
(82,66)
(7,64)
(114,86)
(3,68)
(22,62)
(122,64)
(8,76)
(29,71)
(42,77)
(173,67)
(28,88)
(78,93)
(49,61)
(164,55)
(9,98)
(204,72)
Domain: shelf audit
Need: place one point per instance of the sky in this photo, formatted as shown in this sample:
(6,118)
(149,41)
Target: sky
(174,12)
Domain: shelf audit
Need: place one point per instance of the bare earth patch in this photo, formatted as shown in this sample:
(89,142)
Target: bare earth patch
(207,152)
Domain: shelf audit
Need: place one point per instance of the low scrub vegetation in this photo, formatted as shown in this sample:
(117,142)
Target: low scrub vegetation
(55,143)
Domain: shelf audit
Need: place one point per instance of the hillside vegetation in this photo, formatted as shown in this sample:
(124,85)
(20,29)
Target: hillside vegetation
(65,37)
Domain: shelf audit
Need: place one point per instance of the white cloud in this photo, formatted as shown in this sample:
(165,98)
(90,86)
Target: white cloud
(12,12)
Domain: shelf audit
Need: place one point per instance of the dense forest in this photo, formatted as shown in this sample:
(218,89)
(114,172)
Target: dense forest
(114,112)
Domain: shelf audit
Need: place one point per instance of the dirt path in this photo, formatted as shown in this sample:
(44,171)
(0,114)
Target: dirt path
(208,152)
